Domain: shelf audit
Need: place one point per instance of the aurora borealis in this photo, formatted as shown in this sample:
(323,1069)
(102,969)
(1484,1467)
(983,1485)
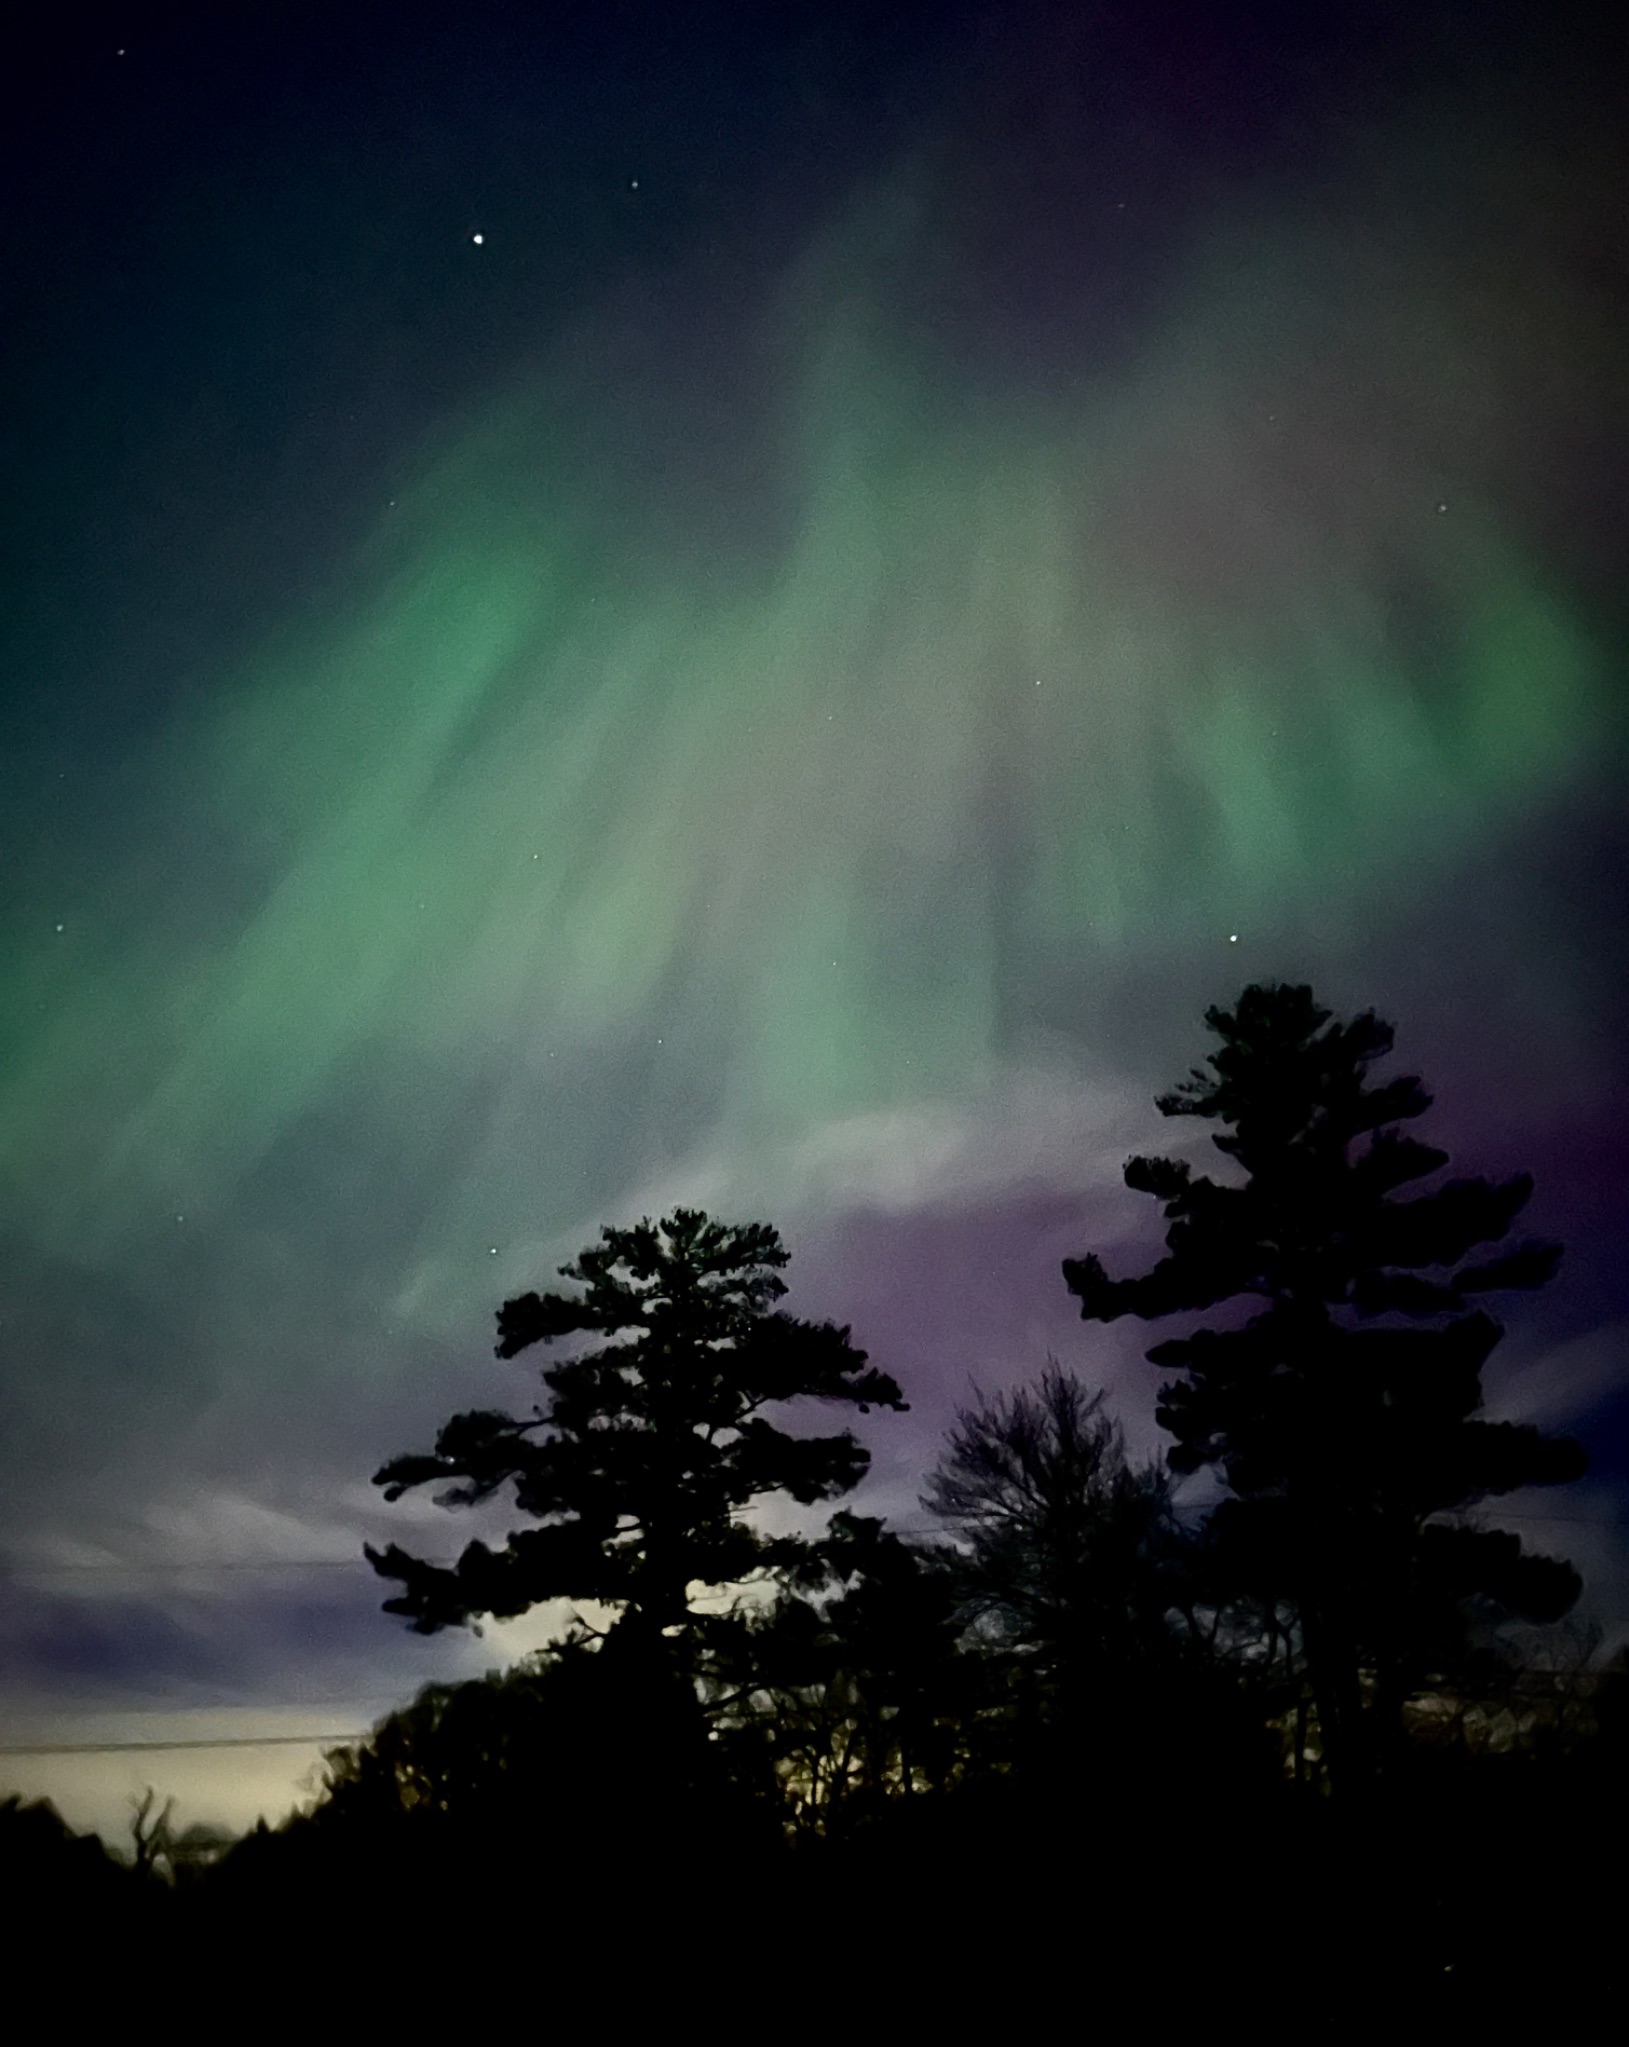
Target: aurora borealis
(757,615)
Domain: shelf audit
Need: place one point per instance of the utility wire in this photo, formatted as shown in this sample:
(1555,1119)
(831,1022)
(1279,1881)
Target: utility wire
(21,1569)
(114,1748)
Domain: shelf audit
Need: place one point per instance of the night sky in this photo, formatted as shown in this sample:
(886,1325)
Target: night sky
(757,606)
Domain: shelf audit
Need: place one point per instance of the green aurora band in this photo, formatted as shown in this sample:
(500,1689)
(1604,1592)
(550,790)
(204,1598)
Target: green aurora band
(527,816)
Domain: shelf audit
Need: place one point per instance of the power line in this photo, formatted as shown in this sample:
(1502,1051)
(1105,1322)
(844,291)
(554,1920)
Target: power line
(172,1567)
(113,1748)
(203,1564)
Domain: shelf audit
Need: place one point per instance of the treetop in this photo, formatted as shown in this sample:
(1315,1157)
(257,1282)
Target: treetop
(654,1441)
(687,1261)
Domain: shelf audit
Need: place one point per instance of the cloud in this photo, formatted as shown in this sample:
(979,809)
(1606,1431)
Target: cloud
(1560,1386)
(1031,1126)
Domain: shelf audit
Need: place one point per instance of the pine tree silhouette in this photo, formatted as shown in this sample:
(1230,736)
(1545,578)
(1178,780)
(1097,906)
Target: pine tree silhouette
(1342,1407)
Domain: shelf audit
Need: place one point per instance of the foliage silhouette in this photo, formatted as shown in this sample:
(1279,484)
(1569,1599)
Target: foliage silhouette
(559,1749)
(654,1442)
(1065,1543)
(149,1831)
(555,1808)
(848,1691)
(161,1853)
(1076,1584)
(1342,1409)
(51,1877)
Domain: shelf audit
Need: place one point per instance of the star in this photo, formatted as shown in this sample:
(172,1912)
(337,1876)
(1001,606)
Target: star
(477,239)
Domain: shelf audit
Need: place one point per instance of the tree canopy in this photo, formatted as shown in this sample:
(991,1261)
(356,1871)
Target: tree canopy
(1061,1533)
(655,1440)
(1339,1397)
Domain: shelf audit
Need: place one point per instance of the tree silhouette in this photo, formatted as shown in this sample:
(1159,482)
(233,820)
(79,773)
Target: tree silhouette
(547,1796)
(848,1691)
(1062,1536)
(561,1746)
(654,1442)
(51,1877)
(151,1835)
(1076,1586)
(1340,1398)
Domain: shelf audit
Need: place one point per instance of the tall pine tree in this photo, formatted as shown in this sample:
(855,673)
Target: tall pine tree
(656,1438)
(1339,1397)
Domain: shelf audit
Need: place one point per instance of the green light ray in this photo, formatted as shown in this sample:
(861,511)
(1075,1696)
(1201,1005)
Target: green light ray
(1025,683)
